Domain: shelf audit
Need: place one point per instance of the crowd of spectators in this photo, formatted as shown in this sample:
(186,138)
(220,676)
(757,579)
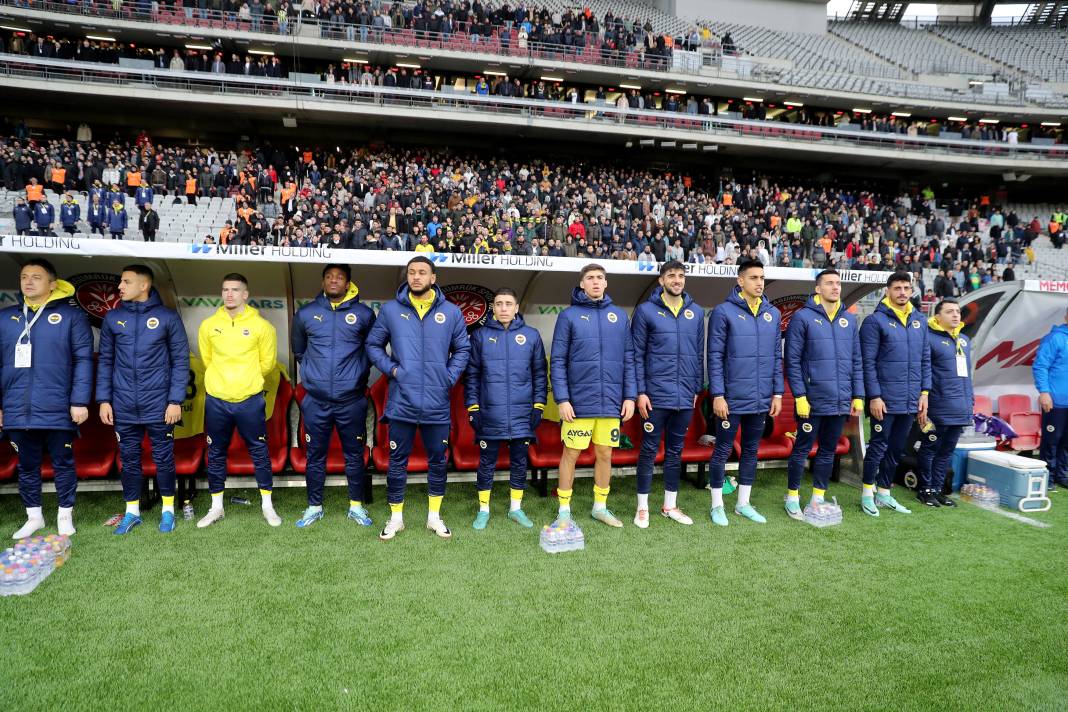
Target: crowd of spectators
(219,61)
(435,200)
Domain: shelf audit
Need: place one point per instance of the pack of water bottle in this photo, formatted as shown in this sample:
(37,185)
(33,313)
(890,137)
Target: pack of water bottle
(562,536)
(823,514)
(30,561)
(980,495)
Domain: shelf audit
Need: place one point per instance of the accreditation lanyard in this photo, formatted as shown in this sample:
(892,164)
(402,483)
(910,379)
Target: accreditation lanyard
(962,360)
(23,347)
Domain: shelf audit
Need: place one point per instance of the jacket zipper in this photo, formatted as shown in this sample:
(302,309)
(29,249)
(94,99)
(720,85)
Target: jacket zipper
(137,341)
(508,373)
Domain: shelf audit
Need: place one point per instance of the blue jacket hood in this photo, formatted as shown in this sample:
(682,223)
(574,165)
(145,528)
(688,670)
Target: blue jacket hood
(403,293)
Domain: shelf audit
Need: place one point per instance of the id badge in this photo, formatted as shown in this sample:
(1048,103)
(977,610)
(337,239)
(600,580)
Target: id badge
(23,355)
(962,366)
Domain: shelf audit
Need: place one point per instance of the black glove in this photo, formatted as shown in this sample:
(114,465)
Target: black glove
(535,418)
(475,416)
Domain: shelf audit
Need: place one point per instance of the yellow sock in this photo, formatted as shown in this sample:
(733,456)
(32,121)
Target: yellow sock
(355,504)
(869,490)
(168,501)
(396,509)
(565,498)
(818,493)
(435,503)
(793,493)
(600,496)
(517,499)
(483,498)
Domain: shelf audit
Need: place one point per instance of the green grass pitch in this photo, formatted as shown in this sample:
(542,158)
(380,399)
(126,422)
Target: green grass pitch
(940,610)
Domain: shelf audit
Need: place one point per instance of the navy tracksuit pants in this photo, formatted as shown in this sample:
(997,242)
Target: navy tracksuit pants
(671,425)
(888,439)
(487,463)
(824,430)
(1054,447)
(30,446)
(752,425)
(130,436)
(401,438)
(320,419)
(248,416)
(936,450)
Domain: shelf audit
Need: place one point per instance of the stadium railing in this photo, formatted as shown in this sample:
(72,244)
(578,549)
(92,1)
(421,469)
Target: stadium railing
(47,72)
(502,40)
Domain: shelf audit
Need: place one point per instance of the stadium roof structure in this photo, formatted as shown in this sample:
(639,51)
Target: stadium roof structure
(1052,12)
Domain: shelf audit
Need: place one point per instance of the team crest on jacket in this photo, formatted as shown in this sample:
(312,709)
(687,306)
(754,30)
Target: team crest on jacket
(688,313)
(96,293)
(55,318)
(877,428)
(1050,428)
(648,427)
(807,427)
(350,318)
(246,332)
(392,444)
(843,322)
(915,325)
(932,437)
(520,339)
(726,425)
(767,316)
(307,438)
(152,323)
(612,317)
(482,444)
(439,318)
(473,300)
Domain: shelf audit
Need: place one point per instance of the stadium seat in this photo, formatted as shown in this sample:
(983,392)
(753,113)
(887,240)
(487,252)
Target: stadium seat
(238,461)
(777,445)
(1013,403)
(417,461)
(8,461)
(95,450)
(465,451)
(335,458)
(984,405)
(1028,427)
(692,450)
(546,450)
(188,456)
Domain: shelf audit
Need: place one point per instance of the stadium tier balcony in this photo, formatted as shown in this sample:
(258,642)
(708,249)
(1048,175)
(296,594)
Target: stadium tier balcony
(687,130)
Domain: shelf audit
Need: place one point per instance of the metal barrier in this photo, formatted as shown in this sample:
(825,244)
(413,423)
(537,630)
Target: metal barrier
(589,47)
(702,128)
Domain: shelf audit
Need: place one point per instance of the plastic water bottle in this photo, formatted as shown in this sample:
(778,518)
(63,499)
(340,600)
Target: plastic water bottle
(187,511)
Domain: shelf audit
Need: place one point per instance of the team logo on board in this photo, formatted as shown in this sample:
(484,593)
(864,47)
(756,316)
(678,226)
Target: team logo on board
(473,300)
(96,293)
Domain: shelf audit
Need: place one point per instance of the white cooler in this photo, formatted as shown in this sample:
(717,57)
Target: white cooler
(1020,481)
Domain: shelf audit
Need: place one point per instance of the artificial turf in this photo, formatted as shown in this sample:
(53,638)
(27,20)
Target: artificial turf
(943,609)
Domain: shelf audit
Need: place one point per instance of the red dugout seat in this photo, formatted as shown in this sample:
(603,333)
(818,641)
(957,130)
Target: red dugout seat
(9,461)
(1016,410)
(417,461)
(465,451)
(238,461)
(984,405)
(335,458)
(95,450)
